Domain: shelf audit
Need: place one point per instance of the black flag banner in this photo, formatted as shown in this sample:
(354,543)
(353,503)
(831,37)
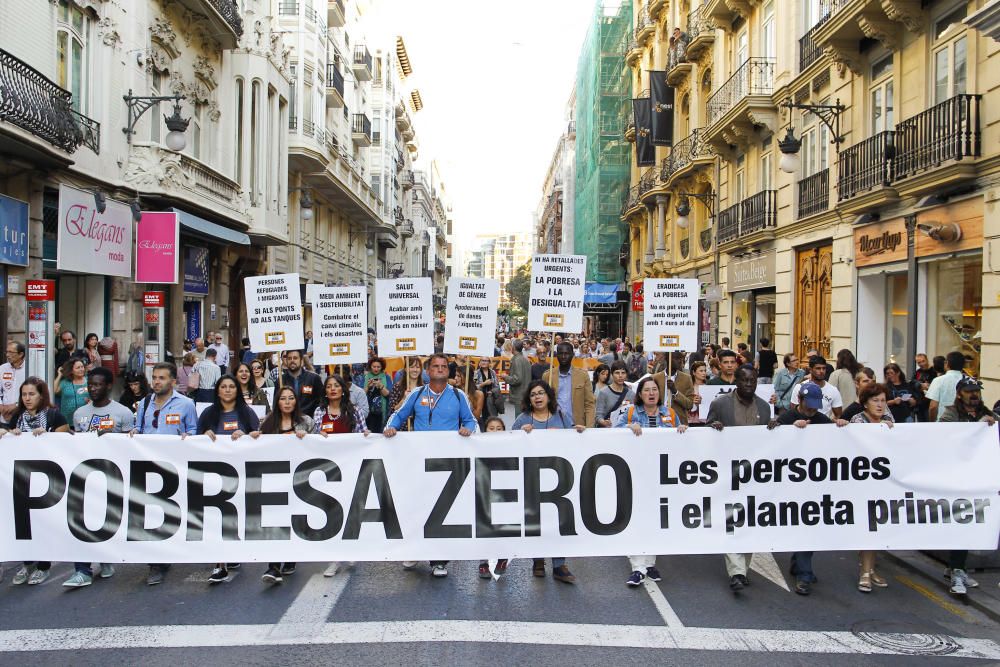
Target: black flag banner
(662,103)
(645,152)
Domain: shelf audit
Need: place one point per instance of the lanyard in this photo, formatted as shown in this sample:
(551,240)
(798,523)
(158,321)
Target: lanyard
(432,402)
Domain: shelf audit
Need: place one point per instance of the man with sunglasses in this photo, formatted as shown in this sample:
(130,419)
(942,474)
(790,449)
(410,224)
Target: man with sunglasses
(164,412)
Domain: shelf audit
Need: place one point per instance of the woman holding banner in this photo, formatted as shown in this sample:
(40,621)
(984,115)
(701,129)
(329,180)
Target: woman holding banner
(648,413)
(541,411)
(337,414)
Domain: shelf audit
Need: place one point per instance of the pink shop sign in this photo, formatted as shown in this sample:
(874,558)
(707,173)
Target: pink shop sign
(156,242)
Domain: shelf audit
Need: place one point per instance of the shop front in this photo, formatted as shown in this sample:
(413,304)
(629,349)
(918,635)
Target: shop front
(604,310)
(750,283)
(945,284)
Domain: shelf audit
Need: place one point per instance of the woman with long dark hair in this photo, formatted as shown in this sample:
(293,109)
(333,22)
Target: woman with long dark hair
(843,378)
(337,414)
(34,414)
(601,377)
(252,394)
(93,359)
(136,389)
(903,396)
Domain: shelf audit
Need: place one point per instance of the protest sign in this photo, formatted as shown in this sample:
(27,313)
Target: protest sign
(405,316)
(710,392)
(556,297)
(471,322)
(340,324)
(274,313)
(670,315)
(431,496)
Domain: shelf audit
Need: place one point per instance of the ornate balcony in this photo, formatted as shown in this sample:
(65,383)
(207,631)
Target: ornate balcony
(633,52)
(848,22)
(361,130)
(647,181)
(700,32)
(726,11)
(335,15)
(631,202)
(749,221)
(678,67)
(644,27)
(742,104)
(223,18)
(933,148)
(362,63)
(334,86)
(686,155)
(406,229)
(814,194)
(154,170)
(809,51)
(867,165)
(37,105)
(654,7)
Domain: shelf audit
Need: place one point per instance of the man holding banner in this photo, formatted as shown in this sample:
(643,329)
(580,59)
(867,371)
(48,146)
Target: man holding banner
(435,399)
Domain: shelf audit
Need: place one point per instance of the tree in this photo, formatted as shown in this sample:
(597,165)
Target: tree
(519,287)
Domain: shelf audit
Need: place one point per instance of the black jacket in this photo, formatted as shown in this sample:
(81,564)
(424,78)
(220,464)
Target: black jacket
(308,389)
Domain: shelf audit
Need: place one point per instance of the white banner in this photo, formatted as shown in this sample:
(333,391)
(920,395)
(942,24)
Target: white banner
(670,314)
(710,392)
(471,319)
(427,496)
(89,240)
(340,324)
(274,313)
(558,283)
(404,314)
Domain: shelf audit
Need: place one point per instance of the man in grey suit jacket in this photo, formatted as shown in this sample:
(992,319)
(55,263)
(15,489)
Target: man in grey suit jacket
(519,376)
(741,407)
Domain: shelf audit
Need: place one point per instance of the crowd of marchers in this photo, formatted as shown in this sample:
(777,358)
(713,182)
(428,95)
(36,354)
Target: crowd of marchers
(625,387)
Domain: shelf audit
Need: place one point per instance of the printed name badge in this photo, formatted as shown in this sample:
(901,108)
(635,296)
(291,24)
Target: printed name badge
(327,427)
(230,426)
(81,390)
(307,389)
(8,375)
(425,401)
(173,419)
(106,424)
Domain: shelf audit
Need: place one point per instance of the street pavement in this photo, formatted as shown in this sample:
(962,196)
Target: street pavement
(378,614)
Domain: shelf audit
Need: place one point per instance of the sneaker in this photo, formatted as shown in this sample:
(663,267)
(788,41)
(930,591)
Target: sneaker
(743,579)
(969,581)
(155,576)
(802,587)
(272,576)
(958,586)
(107,570)
(538,568)
(287,569)
(735,583)
(635,579)
(21,576)
(331,569)
(219,575)
(653,574)
(409,564)
(501,566)
(439,570)
(78,580)
(484,570)
(563,574)
(38,577)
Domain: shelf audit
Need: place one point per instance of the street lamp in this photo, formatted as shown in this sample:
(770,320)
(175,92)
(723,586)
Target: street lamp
(305,203)
(177,126)
(829,114)
(684,206)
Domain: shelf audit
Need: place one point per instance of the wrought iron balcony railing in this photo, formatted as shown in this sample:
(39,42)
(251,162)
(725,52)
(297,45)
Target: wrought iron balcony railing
(698,22)
(809,51)
(754,77)
(814,193)
(648,181)
(867,165)
(752,215)
(31,101)
(287,8)
(229,10)
(335,79)
(406,229)
(362,56)
(947,131)
(631,200)
(690,148)
(361,125)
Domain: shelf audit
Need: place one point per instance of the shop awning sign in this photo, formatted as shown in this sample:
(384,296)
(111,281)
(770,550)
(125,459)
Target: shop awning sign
(90,241)
(14,228)
(157,239)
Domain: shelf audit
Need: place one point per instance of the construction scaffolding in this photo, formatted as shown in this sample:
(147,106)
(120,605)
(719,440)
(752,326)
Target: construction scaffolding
(602,154)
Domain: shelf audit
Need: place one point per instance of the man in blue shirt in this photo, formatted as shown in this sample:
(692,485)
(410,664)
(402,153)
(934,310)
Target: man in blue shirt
(164,412)
(437,406)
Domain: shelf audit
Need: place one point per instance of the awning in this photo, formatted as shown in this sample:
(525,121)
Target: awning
(601,293)
(209,231)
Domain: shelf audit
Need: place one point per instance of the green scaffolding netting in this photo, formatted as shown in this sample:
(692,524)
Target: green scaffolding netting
(602,155)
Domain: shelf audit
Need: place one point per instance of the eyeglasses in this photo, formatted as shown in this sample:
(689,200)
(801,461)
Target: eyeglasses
(156,419)
(536,394)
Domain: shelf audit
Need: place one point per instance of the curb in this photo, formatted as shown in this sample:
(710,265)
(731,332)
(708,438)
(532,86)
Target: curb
(987,606)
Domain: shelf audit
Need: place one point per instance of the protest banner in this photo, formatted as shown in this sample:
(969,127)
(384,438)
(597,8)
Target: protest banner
(340,324)
(429,496)
(404,315)
(471,318)
(670,315)
(710,392)
(556,298)
(274,313)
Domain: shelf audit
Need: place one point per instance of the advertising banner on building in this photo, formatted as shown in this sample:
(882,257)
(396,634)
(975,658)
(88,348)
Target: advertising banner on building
(89,241)
(645,151)
(430,496)
(670,318)
(404,314)
(157,239)
(340,324)
(662,102)
(274,312)
(14,231)
(637,296)
(471,322)
(196,270)
(558,283)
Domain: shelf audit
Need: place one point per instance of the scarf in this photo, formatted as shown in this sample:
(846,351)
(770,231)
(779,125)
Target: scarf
(26,423)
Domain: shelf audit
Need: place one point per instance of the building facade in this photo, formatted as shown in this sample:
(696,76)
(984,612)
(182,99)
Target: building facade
(497,256)
(870,233)
(66,67)
(556,211)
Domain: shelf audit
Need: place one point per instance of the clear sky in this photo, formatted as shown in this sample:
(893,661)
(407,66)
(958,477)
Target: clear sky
(495,78)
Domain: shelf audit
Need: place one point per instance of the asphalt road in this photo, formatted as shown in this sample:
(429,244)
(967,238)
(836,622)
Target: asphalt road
(376,613)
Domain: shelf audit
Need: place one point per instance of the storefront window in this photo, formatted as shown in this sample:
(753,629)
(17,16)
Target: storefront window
(764,318)
(742,309)
(895,341)
(956,308)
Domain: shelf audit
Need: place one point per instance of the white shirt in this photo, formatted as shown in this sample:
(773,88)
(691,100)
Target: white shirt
(11,380)
(222,353)
(831,397)
(942,390)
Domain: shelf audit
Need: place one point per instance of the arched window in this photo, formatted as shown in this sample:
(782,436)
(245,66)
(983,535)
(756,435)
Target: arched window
(73,26)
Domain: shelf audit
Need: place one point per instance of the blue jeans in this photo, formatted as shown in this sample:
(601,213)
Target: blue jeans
(85,568)
(802,566)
